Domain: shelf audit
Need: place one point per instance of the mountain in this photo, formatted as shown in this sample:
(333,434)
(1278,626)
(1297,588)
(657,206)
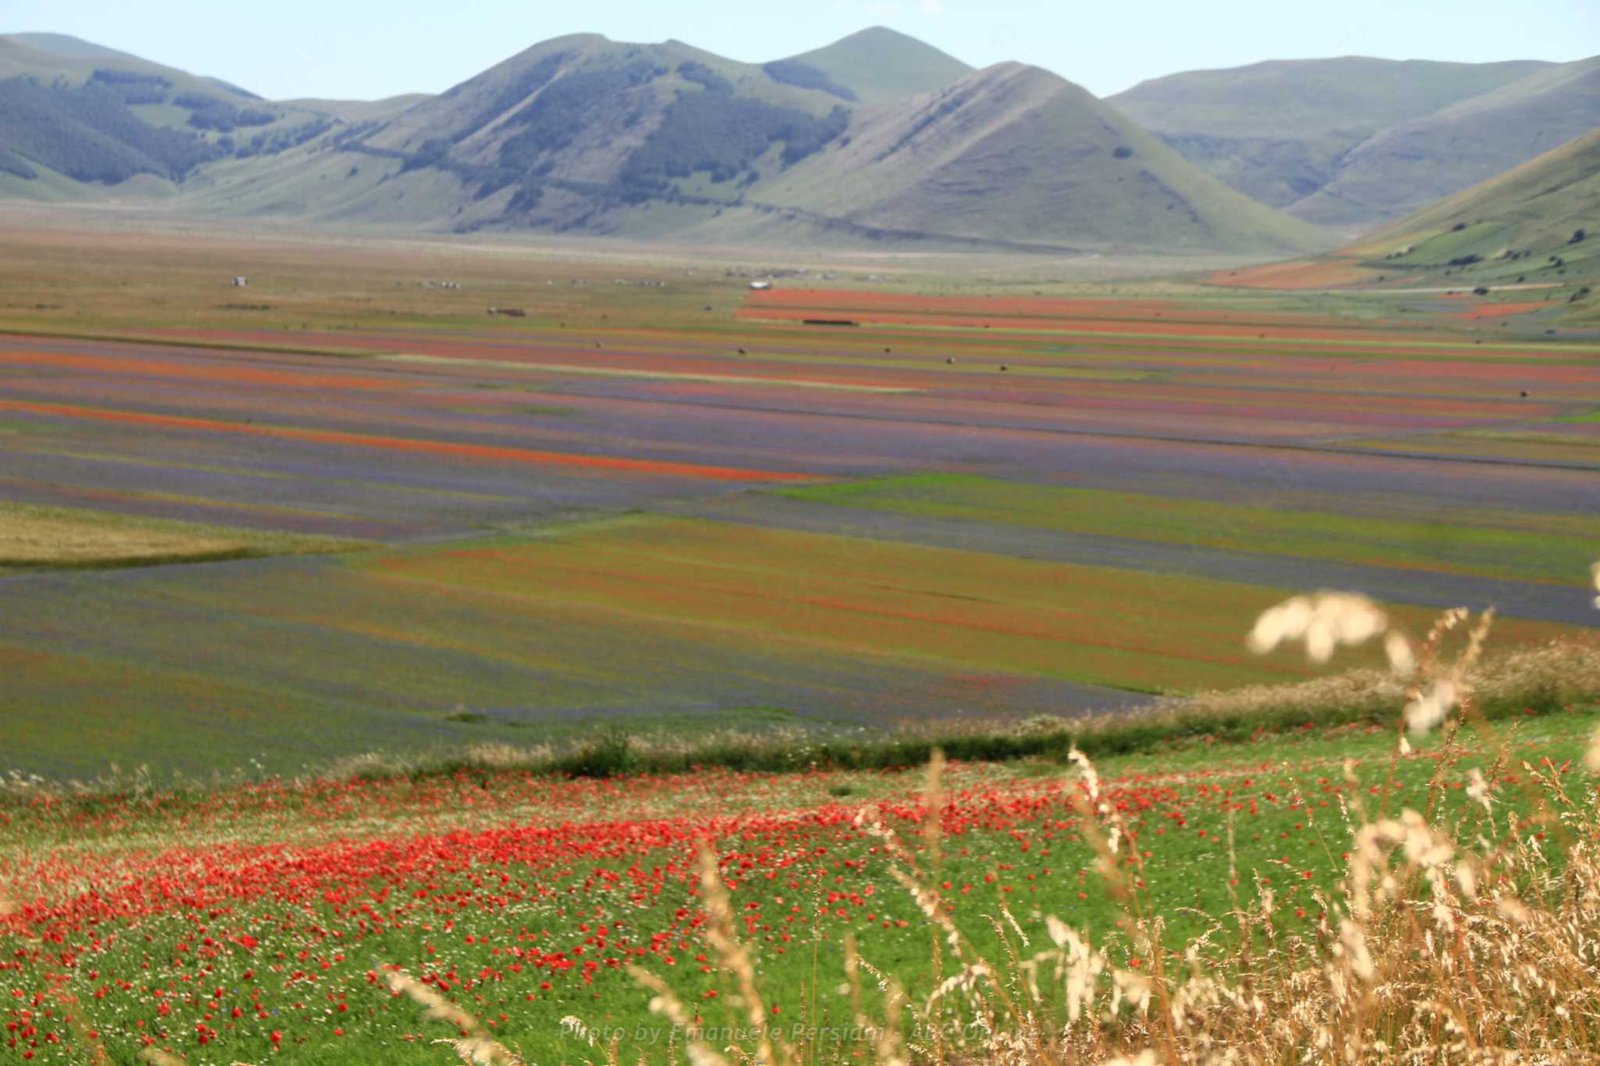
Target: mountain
(73,114)
(874,66)
(877,138)
(1017,153)
(1416,162)
(1539,222)
(575,133)
(1326,139)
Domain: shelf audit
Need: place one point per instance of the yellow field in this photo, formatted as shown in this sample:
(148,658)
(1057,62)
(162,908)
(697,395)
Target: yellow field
(32,536)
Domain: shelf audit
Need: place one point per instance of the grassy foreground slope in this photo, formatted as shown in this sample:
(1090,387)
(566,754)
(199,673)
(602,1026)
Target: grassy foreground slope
(267,922)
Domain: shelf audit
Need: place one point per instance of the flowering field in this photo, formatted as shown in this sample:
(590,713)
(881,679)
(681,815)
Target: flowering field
(1391,532)
(670,505)
(261,924)
(656,624)
(662,499)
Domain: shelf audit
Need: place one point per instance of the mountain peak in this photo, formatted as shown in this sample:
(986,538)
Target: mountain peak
(881,65)
(877,35)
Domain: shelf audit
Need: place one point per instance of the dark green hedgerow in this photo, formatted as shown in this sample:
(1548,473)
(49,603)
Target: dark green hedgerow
(1534,682)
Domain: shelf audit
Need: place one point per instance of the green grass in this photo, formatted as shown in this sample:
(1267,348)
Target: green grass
(662,625)
(1490,544)
(1274,810)
(950,610)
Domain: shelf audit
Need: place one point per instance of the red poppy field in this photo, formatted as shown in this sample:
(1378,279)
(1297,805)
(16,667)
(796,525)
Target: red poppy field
(259,924)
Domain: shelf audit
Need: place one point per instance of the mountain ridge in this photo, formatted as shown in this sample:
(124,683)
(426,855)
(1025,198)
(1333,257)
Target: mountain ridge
(875,138)
(582,134)
(1335,141)
(1436,155)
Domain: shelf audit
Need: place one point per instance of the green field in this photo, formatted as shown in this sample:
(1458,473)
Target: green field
(1486,543)
(1021,491)
(505,934)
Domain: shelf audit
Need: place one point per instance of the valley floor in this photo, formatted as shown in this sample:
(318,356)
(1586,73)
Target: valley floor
(251,535)
(659,498)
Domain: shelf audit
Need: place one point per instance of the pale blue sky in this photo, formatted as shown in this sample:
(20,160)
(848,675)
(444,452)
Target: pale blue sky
(364,49)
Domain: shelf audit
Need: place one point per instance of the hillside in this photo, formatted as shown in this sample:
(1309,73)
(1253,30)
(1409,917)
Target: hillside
(574,131)
(1290,132)
(1416,162)
(1539,222)
(875,138)
(75,116)
(583,134)
(1018,153)
(876,66)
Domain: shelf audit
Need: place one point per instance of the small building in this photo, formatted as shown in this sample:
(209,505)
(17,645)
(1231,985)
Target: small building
(239,283)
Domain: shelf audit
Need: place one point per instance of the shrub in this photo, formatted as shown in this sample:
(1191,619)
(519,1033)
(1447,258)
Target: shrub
(805,76)
(89,134)
(607,755)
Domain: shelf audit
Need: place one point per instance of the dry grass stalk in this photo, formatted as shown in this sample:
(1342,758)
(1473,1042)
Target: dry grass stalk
(475,1046)
(723,937)
(1472,947)
(156,1057)
(667,1004)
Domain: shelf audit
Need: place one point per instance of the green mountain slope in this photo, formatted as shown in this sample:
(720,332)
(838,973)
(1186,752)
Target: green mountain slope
(75,115)
(1281,131)
(586,135)
(1411,164)
(570,133)
(56,58)
(355,111)
(877,65)
(1017,153)
(1539,222)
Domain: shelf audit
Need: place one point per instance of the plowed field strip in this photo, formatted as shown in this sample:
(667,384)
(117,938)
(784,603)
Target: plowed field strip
(649,375)
(402,444)
(189,370)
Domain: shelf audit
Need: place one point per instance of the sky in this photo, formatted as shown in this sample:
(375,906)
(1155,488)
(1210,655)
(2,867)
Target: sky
(367,49)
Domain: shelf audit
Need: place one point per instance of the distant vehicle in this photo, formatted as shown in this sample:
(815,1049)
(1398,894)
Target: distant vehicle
(761,286)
